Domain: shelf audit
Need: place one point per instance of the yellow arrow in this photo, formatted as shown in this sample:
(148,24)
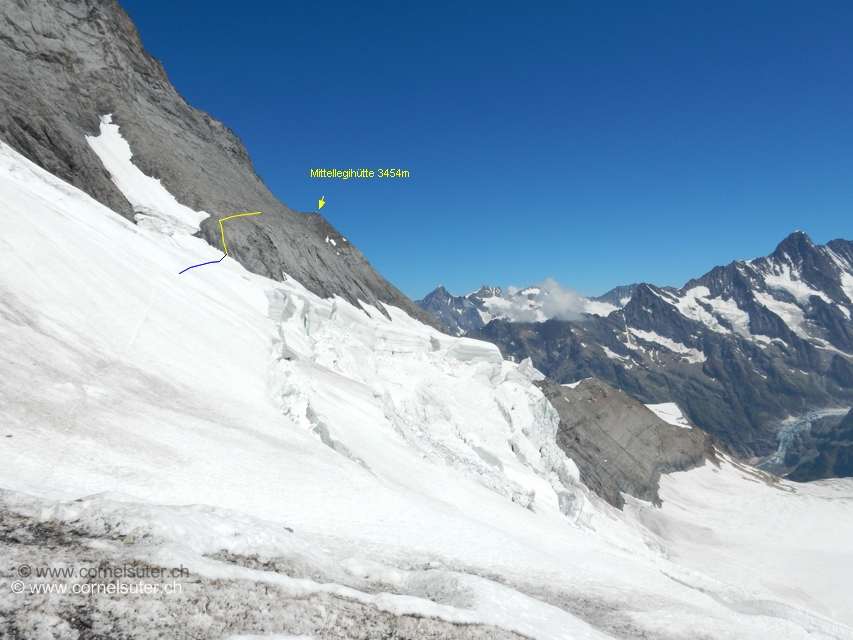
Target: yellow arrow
(322,202)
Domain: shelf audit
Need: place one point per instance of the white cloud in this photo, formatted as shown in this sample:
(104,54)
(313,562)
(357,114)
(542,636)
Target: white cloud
(552,300)
(560,302)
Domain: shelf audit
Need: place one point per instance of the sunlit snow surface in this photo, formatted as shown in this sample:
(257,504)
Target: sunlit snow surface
(670,412)
(791,283)
(693,304)
(691,355)
(215,407)
(783,542)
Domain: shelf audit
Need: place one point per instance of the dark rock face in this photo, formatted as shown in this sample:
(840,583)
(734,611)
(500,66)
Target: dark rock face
(64,63)
(740,349)
(825,452)
(618,296)
(457,313)
(58,73)
(618,444)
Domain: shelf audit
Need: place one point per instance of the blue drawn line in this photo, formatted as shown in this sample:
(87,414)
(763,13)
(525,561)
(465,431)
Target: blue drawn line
(204,263)
(224,246)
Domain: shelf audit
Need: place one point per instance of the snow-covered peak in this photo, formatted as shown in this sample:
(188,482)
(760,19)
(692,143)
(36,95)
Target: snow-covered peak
(807,287)
(486,292)
(529,304)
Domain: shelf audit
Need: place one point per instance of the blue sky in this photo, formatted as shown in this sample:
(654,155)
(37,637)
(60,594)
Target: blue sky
(599,143)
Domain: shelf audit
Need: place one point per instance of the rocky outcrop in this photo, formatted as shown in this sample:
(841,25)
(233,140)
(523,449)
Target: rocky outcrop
(826,451)
(618,444)
(64,63)
(618,296)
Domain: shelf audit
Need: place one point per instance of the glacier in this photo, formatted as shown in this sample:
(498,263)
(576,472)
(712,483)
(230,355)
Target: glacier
(276,442)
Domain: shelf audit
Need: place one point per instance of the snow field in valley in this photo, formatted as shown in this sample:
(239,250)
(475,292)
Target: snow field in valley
(785,543)
(392,450)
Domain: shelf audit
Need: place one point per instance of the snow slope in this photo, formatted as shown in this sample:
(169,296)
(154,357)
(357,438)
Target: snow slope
(392,450)
(741,526)
(691,355)
(671,413)
(777,286)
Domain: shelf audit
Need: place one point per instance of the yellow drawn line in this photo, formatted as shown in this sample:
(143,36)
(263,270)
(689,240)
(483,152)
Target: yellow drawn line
(239,215)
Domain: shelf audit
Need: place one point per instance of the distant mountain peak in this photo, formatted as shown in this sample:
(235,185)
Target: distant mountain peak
(486,292)
(618,296)
(795,246)
(536,303)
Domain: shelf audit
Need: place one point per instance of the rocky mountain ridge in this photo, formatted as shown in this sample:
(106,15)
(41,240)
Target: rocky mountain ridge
(64,64)
(475,310)
(741,349)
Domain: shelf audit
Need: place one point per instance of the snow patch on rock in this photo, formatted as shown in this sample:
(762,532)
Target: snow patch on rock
(154,206)
(691,355)
(671,413)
